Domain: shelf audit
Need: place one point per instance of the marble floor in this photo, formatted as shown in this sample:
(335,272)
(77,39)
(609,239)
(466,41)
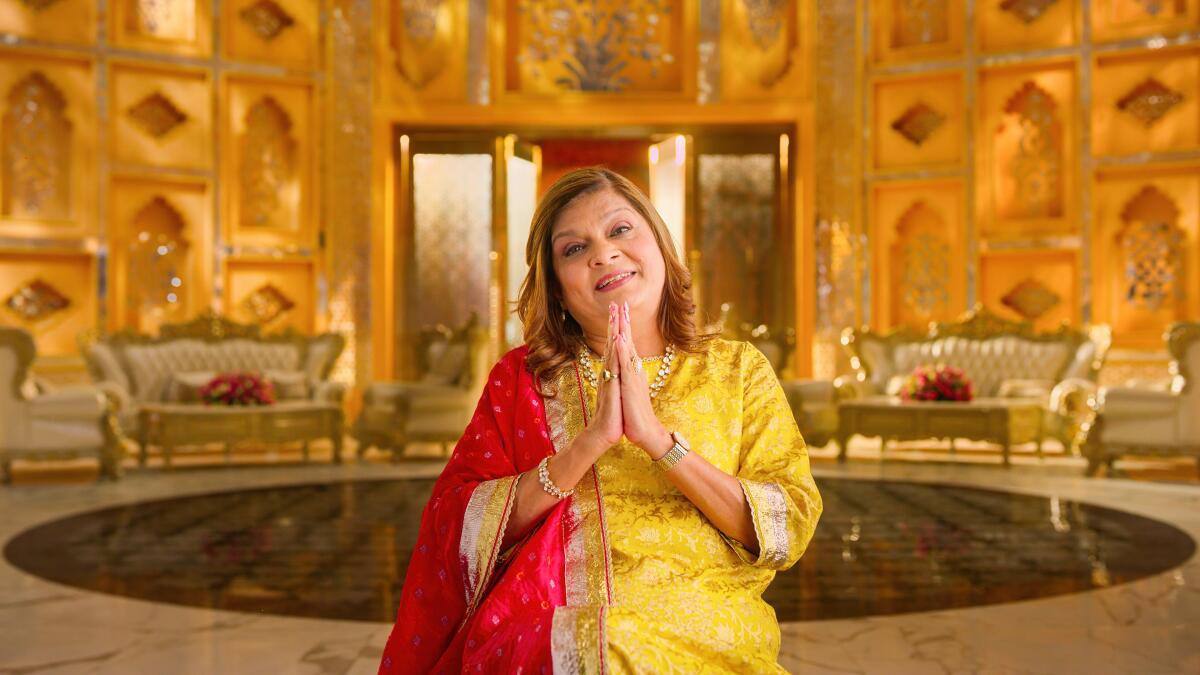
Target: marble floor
(919,567)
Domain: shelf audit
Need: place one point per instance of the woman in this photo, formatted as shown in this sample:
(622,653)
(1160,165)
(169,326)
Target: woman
(605,511)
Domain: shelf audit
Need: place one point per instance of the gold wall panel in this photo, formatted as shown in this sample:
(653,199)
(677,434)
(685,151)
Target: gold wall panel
(160,248)
(919,251)
(287,32)
(761,52)
(1009,25)
(277,293)
(917,30)
(52,294)
(918,123)
(182,27)
(270,136)
(161,116)
(1146,252)
(1118,19)
(1146,102)
(1026,161)
(72,21)
(1039,285)
(421,49)
(605,46)
(47,146)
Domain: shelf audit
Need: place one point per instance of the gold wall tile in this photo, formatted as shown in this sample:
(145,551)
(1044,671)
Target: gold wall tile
(47,145)
(160,230)
(269,139)
(1015,274)
(1004,25)
(1146,102)
(161,116)
(287,32)
(1120,19)
(182,27)
(1026,150)
(917,30)
(421,49)
(68,275)
(918,122)
(277,293)
(1146,251)
(761,50)
(919,253)
(70,21)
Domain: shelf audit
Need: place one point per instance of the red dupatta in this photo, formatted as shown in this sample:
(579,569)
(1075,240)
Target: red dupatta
(462,607)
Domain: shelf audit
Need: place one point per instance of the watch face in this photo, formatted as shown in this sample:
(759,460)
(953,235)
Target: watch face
(678,437)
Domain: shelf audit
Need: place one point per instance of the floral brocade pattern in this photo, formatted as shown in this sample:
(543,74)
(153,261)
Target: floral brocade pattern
(685,599)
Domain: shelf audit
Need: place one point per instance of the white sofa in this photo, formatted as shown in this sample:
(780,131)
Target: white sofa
(138,369)
(1001,358)
(1131,420)
(46,423)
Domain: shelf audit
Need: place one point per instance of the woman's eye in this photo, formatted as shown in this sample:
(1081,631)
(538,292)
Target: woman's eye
(621,229)
(572,250)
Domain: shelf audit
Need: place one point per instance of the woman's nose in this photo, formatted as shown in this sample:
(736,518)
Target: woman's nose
(605,254)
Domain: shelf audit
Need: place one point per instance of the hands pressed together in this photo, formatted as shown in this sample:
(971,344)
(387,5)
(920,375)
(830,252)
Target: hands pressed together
(623,401)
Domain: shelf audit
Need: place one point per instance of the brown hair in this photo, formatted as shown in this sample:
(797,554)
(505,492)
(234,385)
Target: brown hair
(553,336)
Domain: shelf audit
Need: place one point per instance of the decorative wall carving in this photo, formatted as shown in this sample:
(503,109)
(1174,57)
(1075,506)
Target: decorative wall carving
(924,256)
(173,20)
(1151,250)
(267,303)
(1027,11)
(918,123)
(1035,165)
(268,164)
(1030,299)
(157,115)
(594,45)
(158,258)
(267,19)
(1113,19)
(36,300)
(1149,101)
(919,22)
(36,151)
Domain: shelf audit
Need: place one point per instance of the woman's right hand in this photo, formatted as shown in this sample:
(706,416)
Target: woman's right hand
(607,426)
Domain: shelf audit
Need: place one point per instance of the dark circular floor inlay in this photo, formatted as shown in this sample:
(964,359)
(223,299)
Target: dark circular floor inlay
(340,550)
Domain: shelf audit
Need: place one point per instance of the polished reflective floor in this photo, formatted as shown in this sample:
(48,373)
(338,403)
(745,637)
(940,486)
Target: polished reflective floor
(339,550)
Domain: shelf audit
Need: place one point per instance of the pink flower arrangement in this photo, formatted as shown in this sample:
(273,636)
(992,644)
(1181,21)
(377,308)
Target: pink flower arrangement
(937,383)
(240,388)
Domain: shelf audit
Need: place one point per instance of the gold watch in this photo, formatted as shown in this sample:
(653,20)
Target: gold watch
(676,453)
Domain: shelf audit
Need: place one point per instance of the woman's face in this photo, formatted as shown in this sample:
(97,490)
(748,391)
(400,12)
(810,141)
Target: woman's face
(604,251)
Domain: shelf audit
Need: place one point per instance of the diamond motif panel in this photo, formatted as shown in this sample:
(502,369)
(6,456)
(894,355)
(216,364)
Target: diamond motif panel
(36,300)
(1030,299)
(267,303)
(1150,101)
(918,122)
(157,115)
(267,19)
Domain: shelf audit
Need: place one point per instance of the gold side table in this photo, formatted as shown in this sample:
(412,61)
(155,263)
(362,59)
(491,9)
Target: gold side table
(1005,421)
(174,424)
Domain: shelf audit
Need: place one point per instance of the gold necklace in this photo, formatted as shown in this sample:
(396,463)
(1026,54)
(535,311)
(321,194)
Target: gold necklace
(660,379)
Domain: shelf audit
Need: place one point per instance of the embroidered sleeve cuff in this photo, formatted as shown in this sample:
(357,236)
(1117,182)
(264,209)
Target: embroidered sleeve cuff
(768,509)
(483,531)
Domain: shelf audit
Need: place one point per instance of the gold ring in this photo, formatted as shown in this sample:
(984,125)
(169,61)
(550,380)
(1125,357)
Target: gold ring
(606,375)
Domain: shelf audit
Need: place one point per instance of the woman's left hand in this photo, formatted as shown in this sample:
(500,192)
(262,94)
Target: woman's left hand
(642,427)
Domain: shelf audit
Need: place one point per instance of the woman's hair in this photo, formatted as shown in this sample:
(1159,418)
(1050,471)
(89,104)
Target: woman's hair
(553,336)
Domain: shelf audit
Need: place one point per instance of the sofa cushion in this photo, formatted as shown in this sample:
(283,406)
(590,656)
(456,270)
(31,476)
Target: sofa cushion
(152,365)
(986,362)
(289,385)
(104,360)
(185,387)
(449,365)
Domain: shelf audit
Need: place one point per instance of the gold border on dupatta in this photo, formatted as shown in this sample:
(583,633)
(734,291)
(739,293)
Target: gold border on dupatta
(577,642)
(484,522)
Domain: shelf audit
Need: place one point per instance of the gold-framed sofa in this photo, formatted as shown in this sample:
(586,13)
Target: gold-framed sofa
(138,369)
(1002,358)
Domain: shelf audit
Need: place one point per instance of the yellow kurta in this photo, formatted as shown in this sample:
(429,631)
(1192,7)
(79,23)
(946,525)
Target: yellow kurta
(685,598)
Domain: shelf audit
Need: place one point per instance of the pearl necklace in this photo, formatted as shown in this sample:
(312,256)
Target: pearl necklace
(660,380)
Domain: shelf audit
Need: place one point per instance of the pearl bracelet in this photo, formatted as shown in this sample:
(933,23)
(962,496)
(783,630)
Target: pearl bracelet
(547,484)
